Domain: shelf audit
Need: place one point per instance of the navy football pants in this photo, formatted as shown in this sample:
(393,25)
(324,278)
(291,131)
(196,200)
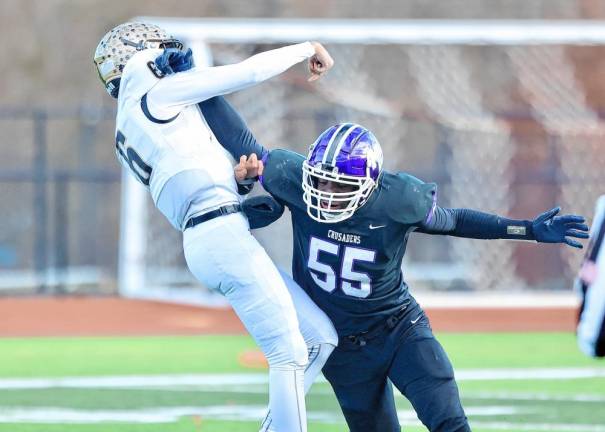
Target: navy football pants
(412,359)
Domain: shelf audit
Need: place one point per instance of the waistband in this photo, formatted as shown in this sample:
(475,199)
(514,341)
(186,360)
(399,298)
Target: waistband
(221,211)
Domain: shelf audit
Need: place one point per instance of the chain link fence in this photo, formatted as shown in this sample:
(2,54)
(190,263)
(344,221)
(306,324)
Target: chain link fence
(495,127)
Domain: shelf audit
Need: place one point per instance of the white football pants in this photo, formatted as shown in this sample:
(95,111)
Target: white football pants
(319,335)
(223,255)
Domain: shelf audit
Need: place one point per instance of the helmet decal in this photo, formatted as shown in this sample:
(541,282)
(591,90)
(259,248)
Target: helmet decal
(121,43)
(338,137)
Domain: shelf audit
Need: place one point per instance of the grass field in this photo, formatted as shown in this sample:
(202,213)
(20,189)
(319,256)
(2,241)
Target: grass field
(509,382)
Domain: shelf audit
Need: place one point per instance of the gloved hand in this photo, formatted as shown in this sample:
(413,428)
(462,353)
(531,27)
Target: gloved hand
(549,228)
(173,60)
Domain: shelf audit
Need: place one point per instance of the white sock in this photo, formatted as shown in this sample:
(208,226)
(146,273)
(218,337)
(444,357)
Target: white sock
(287,407)
(318,354)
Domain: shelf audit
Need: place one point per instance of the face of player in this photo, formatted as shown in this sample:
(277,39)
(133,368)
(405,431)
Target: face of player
(334,187)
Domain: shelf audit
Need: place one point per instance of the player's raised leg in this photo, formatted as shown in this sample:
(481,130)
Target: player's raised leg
(319,335)
(316,328)
(224,257)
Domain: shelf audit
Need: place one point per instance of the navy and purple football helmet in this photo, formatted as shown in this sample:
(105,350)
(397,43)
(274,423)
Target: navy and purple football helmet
(347,154)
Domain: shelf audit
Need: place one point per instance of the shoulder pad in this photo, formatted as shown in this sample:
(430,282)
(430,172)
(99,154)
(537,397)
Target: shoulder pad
(138,78)
(410,200)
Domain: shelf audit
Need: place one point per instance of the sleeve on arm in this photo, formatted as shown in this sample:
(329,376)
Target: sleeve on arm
(440,221)
(469,223)
(175,91)
(230,128)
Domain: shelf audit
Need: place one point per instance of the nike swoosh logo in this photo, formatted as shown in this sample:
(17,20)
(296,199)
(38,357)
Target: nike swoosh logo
(416,320)
(376,226)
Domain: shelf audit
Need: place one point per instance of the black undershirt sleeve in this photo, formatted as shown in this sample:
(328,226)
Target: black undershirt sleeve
(475,224)
(230,128)
(232,133)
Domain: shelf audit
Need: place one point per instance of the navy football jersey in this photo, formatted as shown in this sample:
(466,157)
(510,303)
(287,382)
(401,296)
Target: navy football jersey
(351,269)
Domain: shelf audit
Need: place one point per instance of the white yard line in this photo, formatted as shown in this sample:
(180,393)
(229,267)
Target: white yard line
(534,396)
(147,415)
(529,374)
(533,427)
(173,414)
(254,413)
(137,381)
(257,383)
(222,381)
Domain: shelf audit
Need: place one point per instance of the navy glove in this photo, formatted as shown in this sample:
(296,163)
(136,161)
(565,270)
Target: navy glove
(549,228)
(173,60)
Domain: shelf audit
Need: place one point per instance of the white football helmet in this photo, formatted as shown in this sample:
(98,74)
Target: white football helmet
(121,43)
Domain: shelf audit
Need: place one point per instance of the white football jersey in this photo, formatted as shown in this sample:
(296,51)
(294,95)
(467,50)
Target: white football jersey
(162,136)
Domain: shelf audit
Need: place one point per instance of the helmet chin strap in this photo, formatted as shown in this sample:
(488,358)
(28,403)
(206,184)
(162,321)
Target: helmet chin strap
(113,87)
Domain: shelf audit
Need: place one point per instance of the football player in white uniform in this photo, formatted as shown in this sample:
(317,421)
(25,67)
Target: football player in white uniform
(163,139)
(590,284)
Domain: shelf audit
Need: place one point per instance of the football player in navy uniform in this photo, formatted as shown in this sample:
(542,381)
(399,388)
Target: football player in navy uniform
(351,221)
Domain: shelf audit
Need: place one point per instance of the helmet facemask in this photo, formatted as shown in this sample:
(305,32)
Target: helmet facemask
(333,207)
(349,156)
(153,43)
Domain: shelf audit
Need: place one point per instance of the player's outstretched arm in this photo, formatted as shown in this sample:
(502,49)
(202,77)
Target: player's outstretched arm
(200,83)
(545,228)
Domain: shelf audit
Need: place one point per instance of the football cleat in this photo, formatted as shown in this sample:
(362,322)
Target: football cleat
(348,155)
(121,43)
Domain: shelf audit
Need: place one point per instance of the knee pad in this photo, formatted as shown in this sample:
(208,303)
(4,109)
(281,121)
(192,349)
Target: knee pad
(318,354)
(330,337)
